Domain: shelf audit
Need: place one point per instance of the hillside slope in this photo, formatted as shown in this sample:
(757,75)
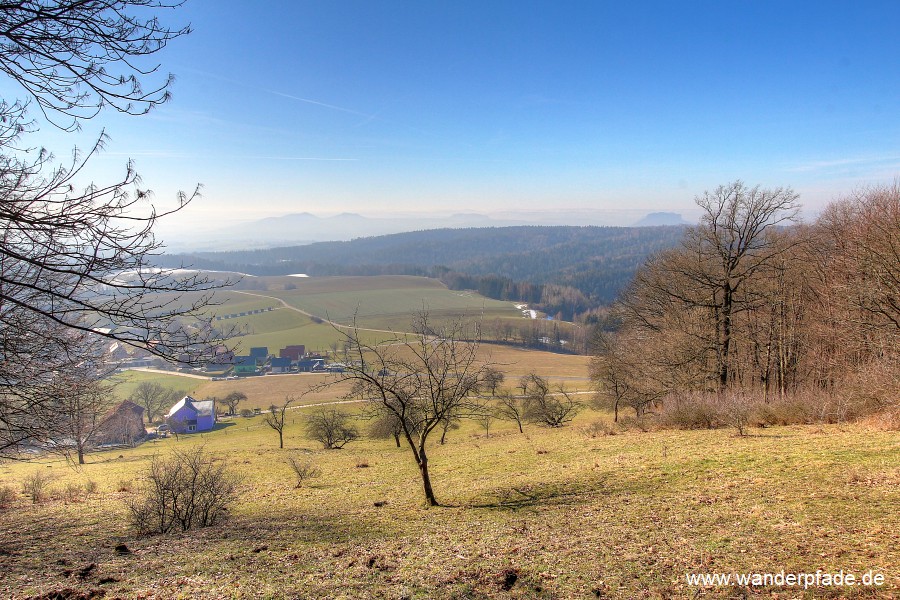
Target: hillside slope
(597,261)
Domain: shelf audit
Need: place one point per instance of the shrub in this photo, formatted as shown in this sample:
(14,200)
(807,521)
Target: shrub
(735,409)
(247,412)
(304,469)
(694,411)
(71,493)
(889,420)
(599,428)
(35,486)
(90,487)
(642,423)
(7,496)
(188,489)
(331,428)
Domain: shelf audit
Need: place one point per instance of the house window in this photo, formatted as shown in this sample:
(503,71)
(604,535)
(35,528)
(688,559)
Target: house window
(192,428)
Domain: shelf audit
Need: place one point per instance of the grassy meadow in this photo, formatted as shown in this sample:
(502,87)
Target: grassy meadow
(380,303)
(560,513)
(589,510)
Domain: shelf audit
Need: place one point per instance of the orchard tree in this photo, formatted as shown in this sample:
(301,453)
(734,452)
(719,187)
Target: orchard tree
(331,428)
(232,401)
(275,419)
(155,398)
(545,406)
(425,378)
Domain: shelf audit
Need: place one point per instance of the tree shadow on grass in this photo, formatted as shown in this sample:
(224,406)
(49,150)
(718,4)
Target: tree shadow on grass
(764,436)
(544,494)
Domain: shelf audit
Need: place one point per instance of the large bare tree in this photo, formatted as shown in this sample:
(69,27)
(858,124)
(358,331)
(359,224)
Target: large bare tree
(424,379)
(698,289)
(76,264)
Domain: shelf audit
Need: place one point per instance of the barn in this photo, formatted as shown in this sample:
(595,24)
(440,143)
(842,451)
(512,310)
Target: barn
(124,424)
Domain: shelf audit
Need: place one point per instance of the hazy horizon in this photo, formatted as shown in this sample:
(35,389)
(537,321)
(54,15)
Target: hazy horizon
(398,108)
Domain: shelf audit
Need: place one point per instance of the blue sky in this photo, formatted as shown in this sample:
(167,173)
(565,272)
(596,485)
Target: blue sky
(379,107)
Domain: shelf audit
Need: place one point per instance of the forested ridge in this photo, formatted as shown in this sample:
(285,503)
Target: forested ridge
(565,270)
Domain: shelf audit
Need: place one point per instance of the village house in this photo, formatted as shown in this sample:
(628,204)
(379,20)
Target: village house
(260,354)
(280,365)
(244,365)
(293,352)
(189,415)
(124,424)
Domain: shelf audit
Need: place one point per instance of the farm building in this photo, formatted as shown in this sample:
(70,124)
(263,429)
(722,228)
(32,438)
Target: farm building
(294,352)
(307,365)
(122,425)
(244,365)
(281,365)
(189,415)
(259,354)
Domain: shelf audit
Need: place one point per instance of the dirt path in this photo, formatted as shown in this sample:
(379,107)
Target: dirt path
(334,324)
(173,373)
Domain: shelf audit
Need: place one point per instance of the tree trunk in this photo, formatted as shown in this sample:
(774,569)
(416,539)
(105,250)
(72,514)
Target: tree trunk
(280,439)
(726,337)
(426,479)
(397,439)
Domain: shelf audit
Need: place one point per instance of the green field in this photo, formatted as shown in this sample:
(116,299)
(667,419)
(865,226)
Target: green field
(126,382)
(380,303)
(572,516)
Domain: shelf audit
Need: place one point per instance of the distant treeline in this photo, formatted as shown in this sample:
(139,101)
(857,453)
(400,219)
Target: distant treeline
(563,271)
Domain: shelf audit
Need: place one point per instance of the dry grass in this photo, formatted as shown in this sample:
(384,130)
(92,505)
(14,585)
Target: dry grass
(567,369)
(571,516)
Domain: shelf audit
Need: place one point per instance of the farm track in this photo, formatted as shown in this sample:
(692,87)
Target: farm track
(334,324)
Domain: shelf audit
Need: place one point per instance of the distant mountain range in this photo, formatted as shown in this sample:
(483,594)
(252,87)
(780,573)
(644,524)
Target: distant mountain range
(307,228)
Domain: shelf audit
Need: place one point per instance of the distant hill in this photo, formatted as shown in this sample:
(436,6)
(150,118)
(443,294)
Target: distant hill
(306,228)
(657,219)
(519,263)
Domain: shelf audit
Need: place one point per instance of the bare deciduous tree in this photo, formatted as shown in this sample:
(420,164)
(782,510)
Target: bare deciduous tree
(511,408)
(74,264)
(232,401)
(494,378)
(424,378)
(81,404)
(275,419)
(699,289)
(75,57)
(331,428)
(386,424)
(546,407)
(155,398)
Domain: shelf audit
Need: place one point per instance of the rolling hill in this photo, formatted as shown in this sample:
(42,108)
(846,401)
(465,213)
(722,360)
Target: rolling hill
(596,261)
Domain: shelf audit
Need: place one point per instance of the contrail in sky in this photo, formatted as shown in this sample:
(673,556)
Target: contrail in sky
(317,103)
(277,93)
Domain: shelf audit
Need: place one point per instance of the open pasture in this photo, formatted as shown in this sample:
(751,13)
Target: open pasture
(558,514)
(382,304)
(388,302)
